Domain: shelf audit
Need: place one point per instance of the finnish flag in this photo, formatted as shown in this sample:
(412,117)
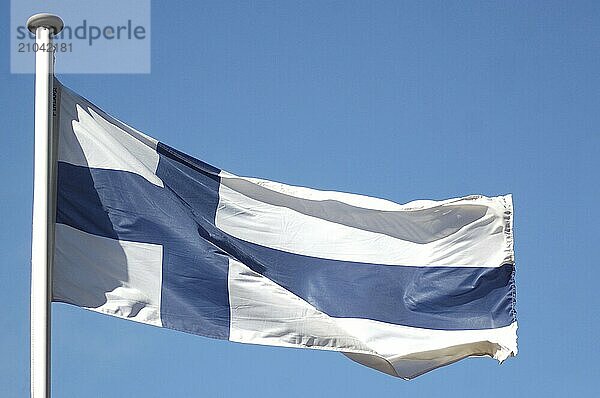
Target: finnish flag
(148,233)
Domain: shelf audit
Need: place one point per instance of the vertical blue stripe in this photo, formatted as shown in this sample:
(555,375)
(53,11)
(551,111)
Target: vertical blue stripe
(195,296)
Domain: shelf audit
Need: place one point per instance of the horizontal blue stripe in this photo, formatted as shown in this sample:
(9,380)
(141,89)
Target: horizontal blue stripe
(450,298)
(447,298)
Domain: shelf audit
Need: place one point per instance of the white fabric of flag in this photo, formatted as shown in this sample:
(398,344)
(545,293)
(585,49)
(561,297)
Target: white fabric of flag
(148,233)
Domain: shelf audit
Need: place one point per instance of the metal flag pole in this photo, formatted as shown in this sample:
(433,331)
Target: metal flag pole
(44,202)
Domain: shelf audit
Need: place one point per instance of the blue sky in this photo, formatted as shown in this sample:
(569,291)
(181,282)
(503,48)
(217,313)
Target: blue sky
(400,100)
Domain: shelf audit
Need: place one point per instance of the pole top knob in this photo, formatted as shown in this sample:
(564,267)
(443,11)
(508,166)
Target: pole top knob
(44,20)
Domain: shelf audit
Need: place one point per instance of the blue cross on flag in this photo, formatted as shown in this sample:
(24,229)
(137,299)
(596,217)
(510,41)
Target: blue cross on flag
(148,233)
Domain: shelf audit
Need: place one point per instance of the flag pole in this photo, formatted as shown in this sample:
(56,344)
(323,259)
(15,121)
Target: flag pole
(44,201)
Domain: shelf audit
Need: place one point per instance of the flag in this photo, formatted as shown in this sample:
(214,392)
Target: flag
(148,233)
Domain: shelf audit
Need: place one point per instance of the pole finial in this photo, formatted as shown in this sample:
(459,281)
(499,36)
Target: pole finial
(45,20)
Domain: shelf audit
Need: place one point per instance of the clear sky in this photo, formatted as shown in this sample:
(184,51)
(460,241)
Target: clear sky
(399,100)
